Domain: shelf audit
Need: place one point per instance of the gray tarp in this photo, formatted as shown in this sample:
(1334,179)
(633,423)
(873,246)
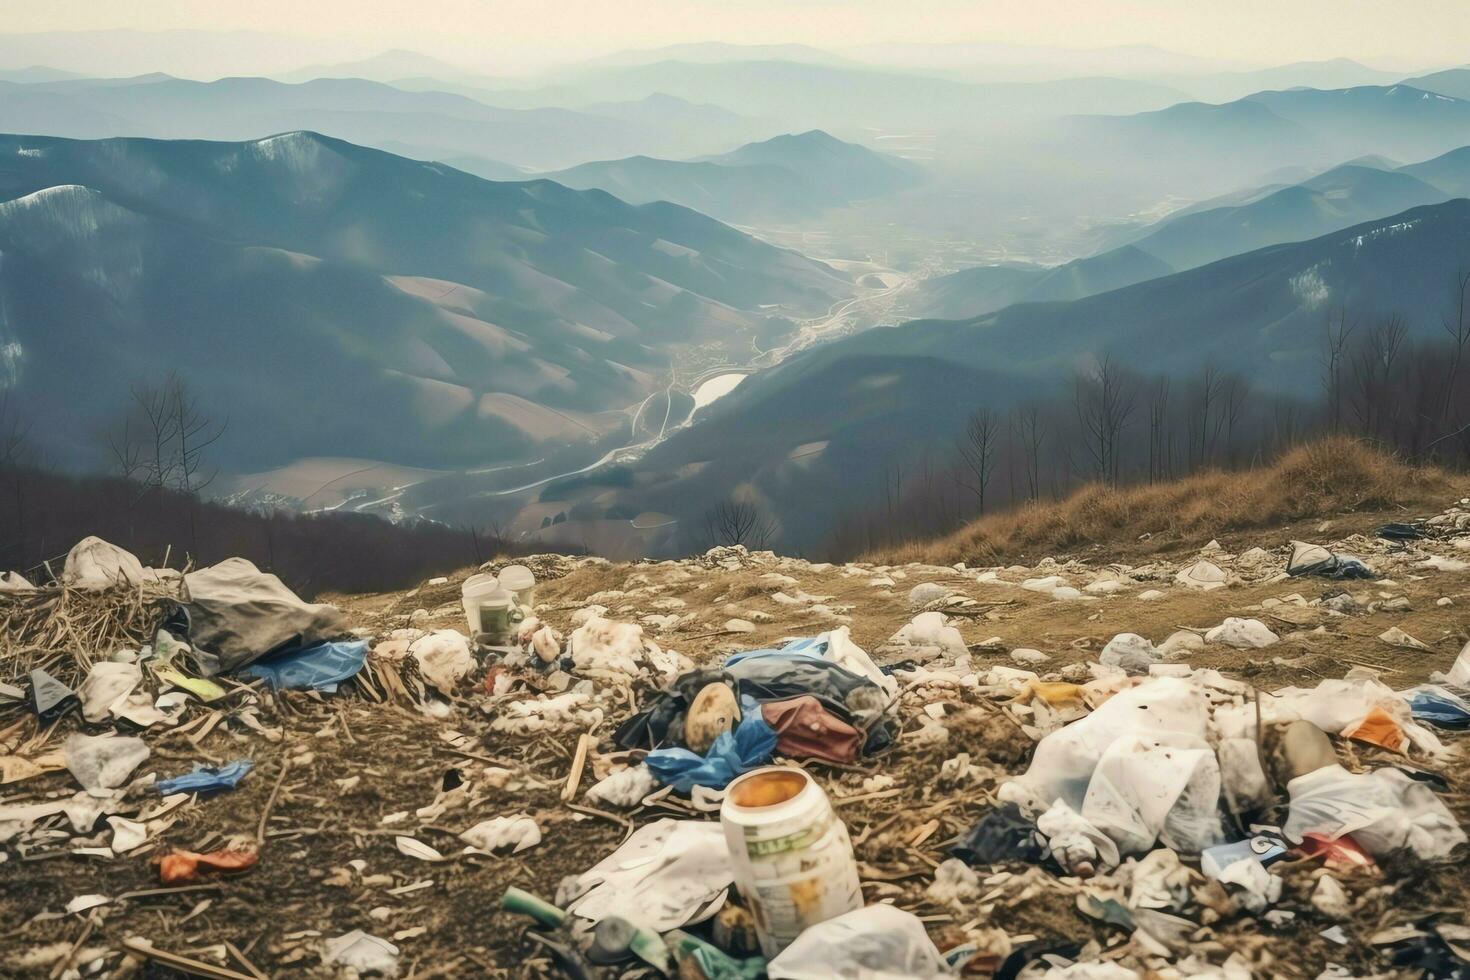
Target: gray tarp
(239,614)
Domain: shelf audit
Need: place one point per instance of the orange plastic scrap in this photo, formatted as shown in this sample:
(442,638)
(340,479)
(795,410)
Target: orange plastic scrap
(181,865)
(1378,728)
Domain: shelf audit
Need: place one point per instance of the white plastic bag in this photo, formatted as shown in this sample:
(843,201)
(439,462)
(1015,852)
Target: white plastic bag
(876,942)
(1064,761)
(1385,811)
(1149,788)
(101,762)
(444,659)
(669,874)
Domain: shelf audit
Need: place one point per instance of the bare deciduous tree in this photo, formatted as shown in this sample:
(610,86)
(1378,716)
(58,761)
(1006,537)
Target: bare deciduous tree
(1458,329)
(977,448)
(1339,330)
(1159,461)
(1032,430)
(1104,399)
(732,522)
(162,439)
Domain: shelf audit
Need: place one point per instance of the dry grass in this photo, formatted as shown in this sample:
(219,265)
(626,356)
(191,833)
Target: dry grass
(66,630)
(1324,479)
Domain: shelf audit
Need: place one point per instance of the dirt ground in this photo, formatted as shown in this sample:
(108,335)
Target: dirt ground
(333,766)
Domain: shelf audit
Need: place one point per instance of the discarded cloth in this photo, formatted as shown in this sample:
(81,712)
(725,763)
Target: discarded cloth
(770,676)
(1313,559)
(1003,834)
(732,753)
(806,730)
(835,647)
(204,779)
(1400,532)
(318,668)
(237,614)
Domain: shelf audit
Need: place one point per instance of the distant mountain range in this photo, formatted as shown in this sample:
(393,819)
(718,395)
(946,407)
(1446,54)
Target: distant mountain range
(779,180)
(1197,149)
(336,300)
(1338,198)
(426,125)
(802,95)
(819,433)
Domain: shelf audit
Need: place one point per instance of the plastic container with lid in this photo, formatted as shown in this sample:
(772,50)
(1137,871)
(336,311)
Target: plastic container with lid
(791,855)
(475,594)
(521,582)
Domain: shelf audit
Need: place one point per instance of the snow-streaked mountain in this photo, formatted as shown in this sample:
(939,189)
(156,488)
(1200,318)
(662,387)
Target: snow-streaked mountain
(332,299)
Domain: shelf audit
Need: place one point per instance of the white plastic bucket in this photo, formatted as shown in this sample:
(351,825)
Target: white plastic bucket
(476,589)
(521,581)
(791,855)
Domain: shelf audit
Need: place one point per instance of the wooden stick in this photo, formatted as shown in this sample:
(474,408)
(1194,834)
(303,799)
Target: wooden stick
(579,762)
(271,802)
(240,958)
(592,811)
(65,962)
(183,963)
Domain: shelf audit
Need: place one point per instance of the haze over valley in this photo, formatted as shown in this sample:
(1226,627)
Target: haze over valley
(585,300)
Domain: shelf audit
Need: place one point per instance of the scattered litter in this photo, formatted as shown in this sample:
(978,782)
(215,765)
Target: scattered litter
(516,833)
(206,779)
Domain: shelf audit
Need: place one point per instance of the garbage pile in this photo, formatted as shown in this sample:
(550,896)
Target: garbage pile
(695,769)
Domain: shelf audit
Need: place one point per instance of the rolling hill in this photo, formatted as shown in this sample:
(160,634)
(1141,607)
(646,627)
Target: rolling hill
(414,313)
(815,434)
(778,180)
(1338,198)
(1196,149)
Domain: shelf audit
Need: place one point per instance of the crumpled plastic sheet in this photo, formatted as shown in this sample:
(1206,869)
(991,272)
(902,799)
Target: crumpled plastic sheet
(204,779)
(318,668)
(1313,559)
(669,874)
(876,942)
(102,762)
(1384,811)
(749,746)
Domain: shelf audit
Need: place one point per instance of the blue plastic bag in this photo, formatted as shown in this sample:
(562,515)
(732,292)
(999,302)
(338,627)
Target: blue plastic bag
(806,648)
(1439,707)
(319,668)
(751,745)
(205,779)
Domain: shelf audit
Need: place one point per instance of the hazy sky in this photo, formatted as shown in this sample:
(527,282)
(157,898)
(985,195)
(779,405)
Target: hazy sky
(1393,33)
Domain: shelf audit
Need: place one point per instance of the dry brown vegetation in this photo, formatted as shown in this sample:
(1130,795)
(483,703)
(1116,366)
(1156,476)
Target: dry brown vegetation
(1329,478)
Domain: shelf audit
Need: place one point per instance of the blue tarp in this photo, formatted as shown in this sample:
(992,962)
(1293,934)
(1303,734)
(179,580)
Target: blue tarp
(749,746)
(319,668)
(206,778)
